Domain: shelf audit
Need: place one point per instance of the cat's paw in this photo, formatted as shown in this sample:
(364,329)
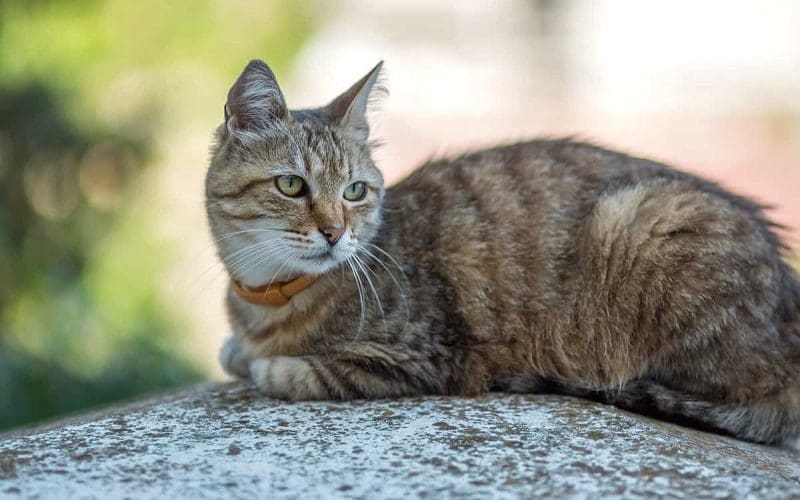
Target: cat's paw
(233,360)
(287,377)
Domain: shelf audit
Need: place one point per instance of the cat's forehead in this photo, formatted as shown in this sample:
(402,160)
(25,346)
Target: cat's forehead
(328,155)
(312,150)
(324,153)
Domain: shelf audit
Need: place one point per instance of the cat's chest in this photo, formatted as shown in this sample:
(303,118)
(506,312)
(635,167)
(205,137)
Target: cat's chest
(284,342)
(281,332)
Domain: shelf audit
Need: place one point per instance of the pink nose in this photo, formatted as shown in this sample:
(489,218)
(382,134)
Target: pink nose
(332,232)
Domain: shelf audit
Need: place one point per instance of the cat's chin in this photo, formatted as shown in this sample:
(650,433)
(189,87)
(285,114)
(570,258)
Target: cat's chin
(318,265)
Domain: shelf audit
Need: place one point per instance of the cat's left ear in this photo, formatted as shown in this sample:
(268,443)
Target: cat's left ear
(349,110)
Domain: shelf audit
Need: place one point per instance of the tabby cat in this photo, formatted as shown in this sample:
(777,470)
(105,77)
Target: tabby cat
(549,265)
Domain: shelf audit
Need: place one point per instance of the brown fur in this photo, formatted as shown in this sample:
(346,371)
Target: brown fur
(545,265)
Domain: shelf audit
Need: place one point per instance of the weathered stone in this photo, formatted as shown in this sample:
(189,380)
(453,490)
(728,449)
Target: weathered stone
(226,441)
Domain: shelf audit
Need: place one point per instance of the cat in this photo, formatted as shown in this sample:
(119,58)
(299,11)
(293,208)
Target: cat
(549,265)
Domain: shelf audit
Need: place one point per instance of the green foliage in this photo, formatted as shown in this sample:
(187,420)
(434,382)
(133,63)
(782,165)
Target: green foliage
(87,90)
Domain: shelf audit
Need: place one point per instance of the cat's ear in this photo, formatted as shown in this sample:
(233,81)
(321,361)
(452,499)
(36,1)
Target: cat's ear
(349,110)
(255,101)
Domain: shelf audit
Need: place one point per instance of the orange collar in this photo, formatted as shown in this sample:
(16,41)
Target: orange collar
(274,294)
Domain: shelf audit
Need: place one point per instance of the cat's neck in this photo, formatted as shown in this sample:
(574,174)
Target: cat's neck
(273,293)
(262,320)
(264,278)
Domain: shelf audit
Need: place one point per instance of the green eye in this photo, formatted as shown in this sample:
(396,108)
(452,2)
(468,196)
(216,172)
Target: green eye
(290,185)
(355,191)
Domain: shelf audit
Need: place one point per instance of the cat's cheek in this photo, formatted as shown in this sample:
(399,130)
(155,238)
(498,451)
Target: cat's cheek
(285,377)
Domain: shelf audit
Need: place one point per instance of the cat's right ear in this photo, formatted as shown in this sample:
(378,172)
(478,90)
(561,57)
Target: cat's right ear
(255,101)
(349,110)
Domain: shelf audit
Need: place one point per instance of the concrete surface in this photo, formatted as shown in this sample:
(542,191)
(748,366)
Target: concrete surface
(224,441)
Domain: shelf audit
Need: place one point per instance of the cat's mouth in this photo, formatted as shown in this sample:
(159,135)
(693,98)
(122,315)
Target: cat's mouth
(328,255)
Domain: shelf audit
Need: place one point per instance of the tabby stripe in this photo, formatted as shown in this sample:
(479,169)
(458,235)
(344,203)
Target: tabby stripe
(391,373)
(344,378)
(329,380)
(244,217)
(238,193)
(310,317)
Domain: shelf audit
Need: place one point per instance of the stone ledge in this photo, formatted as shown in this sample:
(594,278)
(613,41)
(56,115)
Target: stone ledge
(226,441)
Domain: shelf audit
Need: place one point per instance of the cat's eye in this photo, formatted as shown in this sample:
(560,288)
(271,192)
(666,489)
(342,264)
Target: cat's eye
(355,191)
(291,185)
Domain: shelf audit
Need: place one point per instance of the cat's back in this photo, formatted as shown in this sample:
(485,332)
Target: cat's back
(559,248)
(523,218)
(557,167)
(505,224)
(498,184)
(539,181)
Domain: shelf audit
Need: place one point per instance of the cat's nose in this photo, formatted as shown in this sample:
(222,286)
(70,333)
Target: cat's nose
(332,232)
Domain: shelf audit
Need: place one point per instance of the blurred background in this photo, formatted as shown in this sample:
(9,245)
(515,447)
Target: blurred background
(109,287)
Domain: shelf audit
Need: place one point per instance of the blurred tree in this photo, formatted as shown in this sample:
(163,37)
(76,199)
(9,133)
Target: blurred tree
(52,323)
(87,88)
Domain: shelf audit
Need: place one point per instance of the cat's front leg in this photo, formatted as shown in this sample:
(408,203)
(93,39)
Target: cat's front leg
(286,377)
(233,359)
(372,372)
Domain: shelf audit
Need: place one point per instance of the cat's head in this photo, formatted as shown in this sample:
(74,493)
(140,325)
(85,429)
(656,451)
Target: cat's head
(291,192)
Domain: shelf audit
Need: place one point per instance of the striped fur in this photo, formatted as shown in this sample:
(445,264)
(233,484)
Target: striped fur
(549,265)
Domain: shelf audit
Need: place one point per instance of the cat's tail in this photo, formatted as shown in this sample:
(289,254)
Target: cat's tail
(773,420)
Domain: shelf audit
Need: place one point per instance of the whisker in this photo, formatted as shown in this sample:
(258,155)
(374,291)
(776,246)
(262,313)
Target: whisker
(214,204)
(220,266)
(278,272)
(246,231)
(393,261)
(403,294)
(243,261)
(364,269)
(255,258)
(233,257)
(388,256)
(361,314)
(290,258)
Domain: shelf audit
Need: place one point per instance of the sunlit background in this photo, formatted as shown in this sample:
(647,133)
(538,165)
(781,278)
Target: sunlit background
(109,288)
